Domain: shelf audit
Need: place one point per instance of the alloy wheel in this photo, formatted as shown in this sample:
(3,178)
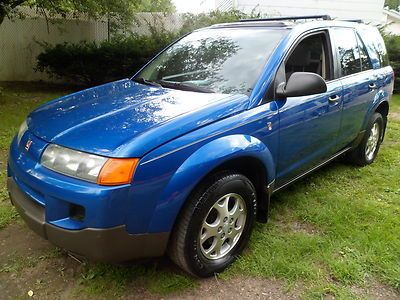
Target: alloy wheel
(372,141)
(223,226)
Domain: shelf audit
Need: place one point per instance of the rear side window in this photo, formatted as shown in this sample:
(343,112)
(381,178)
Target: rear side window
(347,49)
(365,60)
(375,46)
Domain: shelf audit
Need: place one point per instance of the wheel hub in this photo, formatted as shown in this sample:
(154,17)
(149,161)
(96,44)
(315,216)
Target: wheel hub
(223,226)
(372,141)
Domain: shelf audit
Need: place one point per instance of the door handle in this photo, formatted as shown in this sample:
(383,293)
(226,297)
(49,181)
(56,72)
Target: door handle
(372,86)
(333,98)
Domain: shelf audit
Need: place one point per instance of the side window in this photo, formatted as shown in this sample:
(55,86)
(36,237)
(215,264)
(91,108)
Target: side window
(310,55)
(375,46)
(365,60)
(347,49)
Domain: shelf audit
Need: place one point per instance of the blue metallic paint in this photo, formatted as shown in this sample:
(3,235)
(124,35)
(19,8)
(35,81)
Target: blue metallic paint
(167,192)
(309,128)
(105,206)
(383,94)
(121,118)
(181,137)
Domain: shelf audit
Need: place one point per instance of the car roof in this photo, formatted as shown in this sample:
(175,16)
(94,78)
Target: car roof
(289,23)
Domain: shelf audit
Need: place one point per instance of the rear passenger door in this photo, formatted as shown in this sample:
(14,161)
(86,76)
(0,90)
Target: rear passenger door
(358,79)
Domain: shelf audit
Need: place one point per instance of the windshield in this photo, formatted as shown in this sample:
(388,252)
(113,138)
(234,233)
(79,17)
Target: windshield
(225,60)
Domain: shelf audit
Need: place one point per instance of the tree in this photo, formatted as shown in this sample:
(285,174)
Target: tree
(121,11)
(392,4)
(7,7)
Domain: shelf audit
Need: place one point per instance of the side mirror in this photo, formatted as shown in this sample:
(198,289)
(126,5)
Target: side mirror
(302,84)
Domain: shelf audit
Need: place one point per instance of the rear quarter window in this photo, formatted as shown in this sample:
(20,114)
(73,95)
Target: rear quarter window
(375,46)
(347,49)
(364,56)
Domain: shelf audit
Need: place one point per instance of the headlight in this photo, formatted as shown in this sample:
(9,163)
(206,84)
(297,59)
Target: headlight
(90,167)
(72,163)
(22,129)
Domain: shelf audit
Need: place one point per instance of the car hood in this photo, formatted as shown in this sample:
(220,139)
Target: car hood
(128,119)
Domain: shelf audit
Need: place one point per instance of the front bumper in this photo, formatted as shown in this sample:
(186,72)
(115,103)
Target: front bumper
(107,244)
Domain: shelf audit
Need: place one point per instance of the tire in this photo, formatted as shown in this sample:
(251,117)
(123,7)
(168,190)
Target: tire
(366,152)
(202,249)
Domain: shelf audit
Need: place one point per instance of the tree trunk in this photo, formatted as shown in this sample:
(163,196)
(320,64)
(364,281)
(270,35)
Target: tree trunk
(2,15)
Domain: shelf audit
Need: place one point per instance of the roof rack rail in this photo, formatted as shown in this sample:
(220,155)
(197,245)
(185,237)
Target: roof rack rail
(323,17)
(351,20)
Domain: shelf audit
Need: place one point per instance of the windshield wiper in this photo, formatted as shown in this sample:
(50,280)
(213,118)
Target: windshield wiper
(184,87)
(145,81)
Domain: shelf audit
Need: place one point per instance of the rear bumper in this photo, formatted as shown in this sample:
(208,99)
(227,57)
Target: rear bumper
(107,244)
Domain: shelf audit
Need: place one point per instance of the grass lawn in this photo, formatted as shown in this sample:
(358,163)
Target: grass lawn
(16,101)
(332,233)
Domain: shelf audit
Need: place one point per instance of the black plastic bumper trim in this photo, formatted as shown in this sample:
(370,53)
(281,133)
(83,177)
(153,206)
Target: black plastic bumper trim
(108,245)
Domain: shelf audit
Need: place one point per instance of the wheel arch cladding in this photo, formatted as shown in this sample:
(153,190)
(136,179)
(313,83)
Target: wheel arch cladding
(209,158)
(383,109)
(254,169)
(379,104)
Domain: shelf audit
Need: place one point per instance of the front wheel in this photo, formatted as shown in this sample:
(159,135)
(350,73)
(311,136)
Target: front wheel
(215,225)
(367,150)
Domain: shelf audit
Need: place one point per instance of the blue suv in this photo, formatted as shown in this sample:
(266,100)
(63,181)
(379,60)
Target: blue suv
(184,157)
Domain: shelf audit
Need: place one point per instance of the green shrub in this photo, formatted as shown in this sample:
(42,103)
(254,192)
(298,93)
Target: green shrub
(88,63)
(393,48)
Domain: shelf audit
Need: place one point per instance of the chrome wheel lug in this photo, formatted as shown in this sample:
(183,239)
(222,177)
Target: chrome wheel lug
(219,229)
(225,219)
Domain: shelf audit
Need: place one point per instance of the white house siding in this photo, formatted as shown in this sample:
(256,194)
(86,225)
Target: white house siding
(224,4)
(367,10)
(393,26)
(392,21)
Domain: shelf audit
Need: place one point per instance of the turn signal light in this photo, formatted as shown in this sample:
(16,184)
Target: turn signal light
(117,171)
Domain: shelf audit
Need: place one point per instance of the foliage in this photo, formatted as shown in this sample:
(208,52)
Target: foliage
(334,227)
(329,235)
(111,281)
(15,105)
(192,22)
(7,8)
(121,12)
(392,4)
(393,48)
(123,55)
(119,58)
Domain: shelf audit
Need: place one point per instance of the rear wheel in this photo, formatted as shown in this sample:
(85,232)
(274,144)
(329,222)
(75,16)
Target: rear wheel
(367,150)
(215,225)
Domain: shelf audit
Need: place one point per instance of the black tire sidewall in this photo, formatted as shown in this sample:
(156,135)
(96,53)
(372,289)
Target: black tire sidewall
(197,262)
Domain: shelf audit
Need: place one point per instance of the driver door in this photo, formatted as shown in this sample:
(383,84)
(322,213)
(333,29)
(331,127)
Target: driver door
(309,125)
